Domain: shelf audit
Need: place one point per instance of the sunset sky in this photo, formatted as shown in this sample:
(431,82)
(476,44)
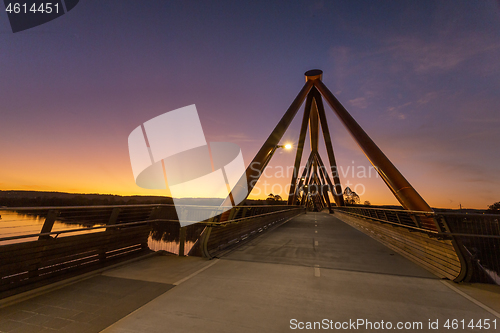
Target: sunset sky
(421,77)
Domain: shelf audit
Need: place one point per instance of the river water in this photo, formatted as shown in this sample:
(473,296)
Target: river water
(16,224)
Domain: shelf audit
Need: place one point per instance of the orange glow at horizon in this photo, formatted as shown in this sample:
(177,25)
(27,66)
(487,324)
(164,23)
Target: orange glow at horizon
(111,174)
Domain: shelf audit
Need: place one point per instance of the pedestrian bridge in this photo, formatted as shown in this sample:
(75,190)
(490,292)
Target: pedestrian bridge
(295,269)
(269,268)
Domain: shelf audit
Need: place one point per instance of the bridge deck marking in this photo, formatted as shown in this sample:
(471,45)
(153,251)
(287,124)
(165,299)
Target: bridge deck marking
(473,300)
(317,271)
(269,279)
(214,261)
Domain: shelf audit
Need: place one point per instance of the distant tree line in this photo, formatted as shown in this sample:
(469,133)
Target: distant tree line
(351,197)
(67,199)
(494,209)
(274,197)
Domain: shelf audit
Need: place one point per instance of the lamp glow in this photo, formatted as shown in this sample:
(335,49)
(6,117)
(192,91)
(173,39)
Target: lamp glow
(288,146)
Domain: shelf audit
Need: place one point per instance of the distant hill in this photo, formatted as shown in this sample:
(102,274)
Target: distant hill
(41,198)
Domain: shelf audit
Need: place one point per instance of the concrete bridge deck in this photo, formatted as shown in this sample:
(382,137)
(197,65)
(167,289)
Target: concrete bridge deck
(312,268)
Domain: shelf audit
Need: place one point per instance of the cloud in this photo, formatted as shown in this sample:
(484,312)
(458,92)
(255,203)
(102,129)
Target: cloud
(428,97)
(395,111)
(359,102)
(443,53)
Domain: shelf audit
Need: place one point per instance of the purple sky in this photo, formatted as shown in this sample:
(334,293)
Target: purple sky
(422,79)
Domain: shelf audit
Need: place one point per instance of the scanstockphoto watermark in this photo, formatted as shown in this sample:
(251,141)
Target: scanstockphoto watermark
(358,324)
(439,325)
(277,189)
(261,186)
(352,171)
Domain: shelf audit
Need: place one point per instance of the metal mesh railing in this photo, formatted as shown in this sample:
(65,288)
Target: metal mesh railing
(479,235)
(251,221)
(423,221)
(475,236)
(46,253)
(18,222)
(30,223)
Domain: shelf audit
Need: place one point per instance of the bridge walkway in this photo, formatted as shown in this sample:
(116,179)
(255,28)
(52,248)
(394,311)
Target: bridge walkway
(312,268)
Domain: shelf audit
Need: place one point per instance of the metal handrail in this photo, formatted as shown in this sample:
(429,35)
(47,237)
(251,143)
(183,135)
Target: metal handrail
(433,214)
(420,212)
(57,233)
(76,230)
(218,224)
(399,224)
(474,237)
(467,235)
(388,209)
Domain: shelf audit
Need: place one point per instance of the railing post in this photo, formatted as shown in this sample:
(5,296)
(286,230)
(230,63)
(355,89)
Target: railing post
(397,216)
(48,224)
(414,218)
(205,235)
(46,228)
(113,218)
(182,241)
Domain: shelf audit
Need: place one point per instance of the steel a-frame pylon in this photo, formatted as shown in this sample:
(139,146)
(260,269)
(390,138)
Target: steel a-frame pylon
(312,187)
(315,181)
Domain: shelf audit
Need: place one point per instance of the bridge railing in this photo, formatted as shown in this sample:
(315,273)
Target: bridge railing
(478,236)
(417,220)
(69,241)
(475,237)
(243,223)
(98,236)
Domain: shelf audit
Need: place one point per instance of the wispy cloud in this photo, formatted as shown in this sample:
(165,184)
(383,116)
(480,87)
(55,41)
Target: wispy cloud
(359,102)
(443,53)
(428,97)
(397,111)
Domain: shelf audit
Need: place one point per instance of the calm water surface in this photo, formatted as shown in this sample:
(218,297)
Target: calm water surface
(16,224)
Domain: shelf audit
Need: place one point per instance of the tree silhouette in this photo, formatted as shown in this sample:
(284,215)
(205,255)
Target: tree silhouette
(272,197)
(350,197)
(495,208)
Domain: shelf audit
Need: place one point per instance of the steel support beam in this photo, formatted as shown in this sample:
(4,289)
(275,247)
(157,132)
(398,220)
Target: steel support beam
(256,167)
(404,192)
(337,190)
(300,149)
(302,179)
(313,125)
(325,180)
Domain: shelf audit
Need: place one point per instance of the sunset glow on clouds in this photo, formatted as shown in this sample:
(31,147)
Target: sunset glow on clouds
(422,79)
